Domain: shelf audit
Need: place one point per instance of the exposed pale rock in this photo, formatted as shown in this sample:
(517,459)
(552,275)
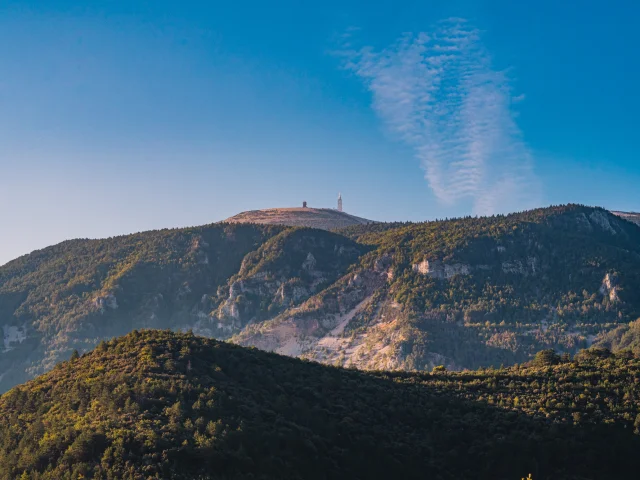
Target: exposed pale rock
(600,219)
(106,301)
(13,334)
(609,287)
(229,308)
(437,269)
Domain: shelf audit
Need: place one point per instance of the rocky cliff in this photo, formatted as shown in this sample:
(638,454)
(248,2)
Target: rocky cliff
(630,216)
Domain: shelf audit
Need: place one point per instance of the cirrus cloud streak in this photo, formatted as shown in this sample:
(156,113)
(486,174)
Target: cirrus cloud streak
(438,93)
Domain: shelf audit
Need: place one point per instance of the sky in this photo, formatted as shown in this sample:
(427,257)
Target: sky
(124,116)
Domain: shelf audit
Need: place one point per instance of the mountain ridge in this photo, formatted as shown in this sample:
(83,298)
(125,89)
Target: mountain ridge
(402,313)
(465,293)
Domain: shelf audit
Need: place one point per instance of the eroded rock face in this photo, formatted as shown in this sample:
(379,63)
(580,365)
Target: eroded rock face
(440,270)
(629,216)
(229,309)
(12,334)
(610,287)
(289,292)
(383,263)
(443,271)
(528,266)
(106,301)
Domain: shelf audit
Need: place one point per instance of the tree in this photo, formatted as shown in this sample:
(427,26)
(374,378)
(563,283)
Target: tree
(546,358)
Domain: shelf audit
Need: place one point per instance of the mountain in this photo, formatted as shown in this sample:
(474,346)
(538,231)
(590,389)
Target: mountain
(72,295)
(632,217)
(156,404)
(469,292)
(465,293)
(323,218)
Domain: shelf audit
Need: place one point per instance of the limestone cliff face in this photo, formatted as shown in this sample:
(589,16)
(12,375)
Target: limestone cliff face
(281,274)
(386,316)
(105,301)
(445,271)
(610,287)
(440,270)
(463,293)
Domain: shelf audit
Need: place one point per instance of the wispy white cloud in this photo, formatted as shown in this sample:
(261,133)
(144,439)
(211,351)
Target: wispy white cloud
(438,92)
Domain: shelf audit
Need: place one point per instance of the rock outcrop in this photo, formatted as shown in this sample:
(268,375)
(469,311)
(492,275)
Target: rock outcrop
(438,269)
(610,287)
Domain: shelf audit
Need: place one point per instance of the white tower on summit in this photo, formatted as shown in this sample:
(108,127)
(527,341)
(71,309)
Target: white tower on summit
(339,202)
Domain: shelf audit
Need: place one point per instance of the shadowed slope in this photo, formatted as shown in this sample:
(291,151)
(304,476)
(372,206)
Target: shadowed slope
(156,404)
(324,218)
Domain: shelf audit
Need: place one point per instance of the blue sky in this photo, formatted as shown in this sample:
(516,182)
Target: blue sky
(121,116)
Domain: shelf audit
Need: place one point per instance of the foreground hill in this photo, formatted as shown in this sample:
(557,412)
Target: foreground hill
(465,293)
(323,218)
(155,404)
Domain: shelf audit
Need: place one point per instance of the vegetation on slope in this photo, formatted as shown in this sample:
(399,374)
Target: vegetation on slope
(470,292)
(466,292)
(156,404)
(73,294)
(286,270)
(322,218)
(552,277)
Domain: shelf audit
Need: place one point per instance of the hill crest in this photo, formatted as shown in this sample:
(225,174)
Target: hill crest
(322,218)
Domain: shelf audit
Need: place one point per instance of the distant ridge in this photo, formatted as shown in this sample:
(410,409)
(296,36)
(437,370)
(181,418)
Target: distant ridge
(322,218)
(630,216)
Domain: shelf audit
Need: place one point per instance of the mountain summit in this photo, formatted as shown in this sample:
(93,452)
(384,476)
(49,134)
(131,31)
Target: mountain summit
(322,218)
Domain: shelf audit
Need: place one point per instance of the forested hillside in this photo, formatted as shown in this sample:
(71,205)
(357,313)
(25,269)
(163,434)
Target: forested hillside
(72,295)
(464,292)
(156,404)
(470,292)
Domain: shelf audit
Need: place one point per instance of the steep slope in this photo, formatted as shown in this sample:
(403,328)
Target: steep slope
(156,404)
(470,292)
(465,293)
(323,218)
(630,216)
(283,272)
(73,294)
